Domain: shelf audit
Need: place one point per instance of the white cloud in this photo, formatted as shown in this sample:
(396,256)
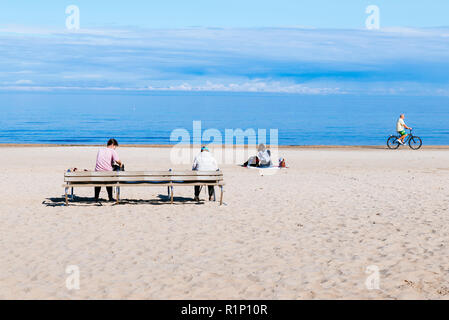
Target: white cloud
(82,76)
(23,82)
(285,60)
(251,86)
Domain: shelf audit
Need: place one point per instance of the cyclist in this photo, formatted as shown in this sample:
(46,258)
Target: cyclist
(400,128)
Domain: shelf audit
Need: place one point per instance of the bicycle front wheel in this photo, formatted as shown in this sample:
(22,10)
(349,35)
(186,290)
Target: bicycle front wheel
(415,142)
(392,142)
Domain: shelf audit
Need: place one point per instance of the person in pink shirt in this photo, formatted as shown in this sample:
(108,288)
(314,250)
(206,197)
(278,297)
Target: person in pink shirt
(106,158)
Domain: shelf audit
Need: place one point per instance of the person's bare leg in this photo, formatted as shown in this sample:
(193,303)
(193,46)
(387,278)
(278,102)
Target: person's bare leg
(403,138)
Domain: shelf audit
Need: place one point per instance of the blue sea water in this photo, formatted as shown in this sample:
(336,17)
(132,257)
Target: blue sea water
(135,118)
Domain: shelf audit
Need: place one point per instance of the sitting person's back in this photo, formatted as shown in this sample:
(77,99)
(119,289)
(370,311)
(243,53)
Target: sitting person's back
(105,158)
(204,161)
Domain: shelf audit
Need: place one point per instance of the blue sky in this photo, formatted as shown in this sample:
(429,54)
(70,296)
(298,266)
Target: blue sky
(226,13)
(304,47)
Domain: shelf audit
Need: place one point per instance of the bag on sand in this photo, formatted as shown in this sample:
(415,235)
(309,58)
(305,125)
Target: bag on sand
(282,163)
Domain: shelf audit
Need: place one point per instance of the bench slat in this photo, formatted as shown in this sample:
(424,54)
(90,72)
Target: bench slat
(147,184)
(143,178)
(141,173)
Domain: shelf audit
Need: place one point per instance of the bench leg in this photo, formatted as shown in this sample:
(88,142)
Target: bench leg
(72,196)
(117,190)
(221,195)
(171,195)
(66,197)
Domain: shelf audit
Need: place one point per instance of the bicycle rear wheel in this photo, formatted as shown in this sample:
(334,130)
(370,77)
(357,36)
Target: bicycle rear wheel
(392,142)
(415,142)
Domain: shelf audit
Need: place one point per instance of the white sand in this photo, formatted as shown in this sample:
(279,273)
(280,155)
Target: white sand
(309,231)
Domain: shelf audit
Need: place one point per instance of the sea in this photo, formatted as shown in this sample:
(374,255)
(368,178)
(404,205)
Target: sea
(92,118)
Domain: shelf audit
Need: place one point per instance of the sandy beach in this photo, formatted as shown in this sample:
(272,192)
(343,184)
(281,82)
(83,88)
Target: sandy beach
(306,232)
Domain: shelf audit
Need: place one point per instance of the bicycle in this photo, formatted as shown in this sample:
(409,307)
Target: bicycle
(414,142)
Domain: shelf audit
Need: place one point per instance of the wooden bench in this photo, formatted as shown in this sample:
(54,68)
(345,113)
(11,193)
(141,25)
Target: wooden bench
(120,179)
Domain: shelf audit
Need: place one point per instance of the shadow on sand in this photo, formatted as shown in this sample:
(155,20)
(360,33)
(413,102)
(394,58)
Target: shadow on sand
(88,201)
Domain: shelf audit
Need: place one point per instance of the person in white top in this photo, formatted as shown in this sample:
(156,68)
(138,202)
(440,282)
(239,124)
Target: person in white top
(262,159)
(204,161)
(400,128)
(264,156)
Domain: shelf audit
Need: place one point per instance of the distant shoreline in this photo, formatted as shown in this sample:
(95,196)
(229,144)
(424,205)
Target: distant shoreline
(348,147)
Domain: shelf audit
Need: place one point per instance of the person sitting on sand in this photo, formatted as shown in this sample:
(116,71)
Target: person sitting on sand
(204,161)
(400,128)
(106,158)
(262,159)
(264,156)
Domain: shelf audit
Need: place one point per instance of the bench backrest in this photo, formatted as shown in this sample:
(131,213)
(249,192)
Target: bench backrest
(142,176)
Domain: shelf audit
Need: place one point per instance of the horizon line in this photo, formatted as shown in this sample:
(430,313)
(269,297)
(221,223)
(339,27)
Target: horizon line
(166,146)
